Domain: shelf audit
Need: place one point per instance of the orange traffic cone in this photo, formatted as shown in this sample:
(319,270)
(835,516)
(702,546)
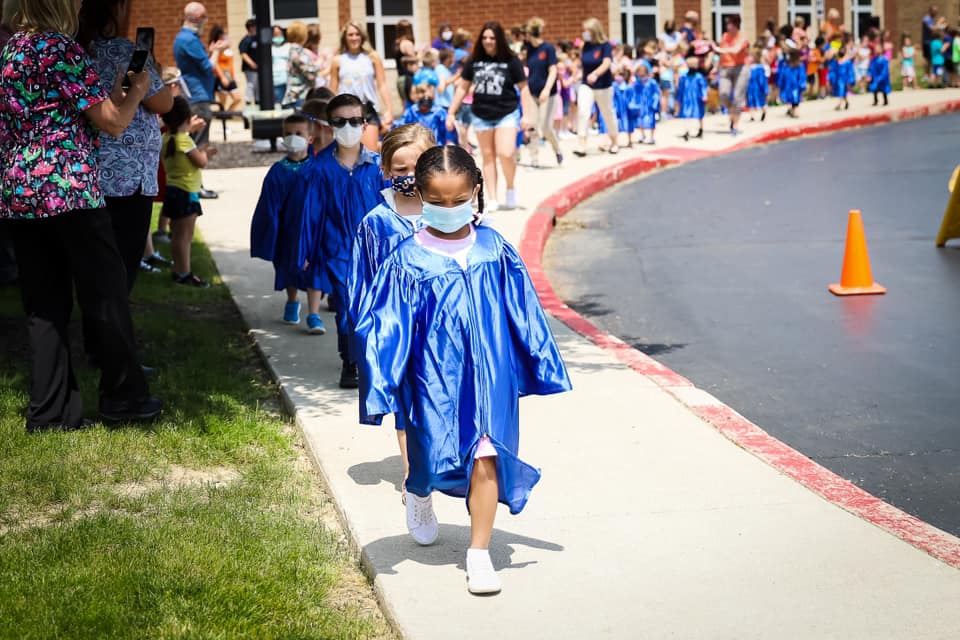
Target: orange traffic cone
(856,278)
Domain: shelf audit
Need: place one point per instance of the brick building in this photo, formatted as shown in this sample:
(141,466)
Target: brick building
(627,20)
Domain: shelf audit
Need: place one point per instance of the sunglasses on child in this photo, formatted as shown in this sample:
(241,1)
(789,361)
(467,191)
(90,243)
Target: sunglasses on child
(357,121)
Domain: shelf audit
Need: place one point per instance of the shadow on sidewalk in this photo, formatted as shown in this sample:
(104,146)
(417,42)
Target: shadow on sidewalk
(383,555)
(389,470)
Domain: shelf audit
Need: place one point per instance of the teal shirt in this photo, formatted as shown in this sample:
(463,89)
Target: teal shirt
(936,53)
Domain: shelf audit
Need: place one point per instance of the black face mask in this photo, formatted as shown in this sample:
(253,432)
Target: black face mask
(425,103)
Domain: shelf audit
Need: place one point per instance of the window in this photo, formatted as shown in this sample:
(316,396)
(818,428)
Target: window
(861,17)
(801,9)
(283,12)
(382,19)
(722,9)
(638,21)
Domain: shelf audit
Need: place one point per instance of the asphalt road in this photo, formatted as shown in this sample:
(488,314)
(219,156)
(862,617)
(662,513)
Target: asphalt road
(719,269)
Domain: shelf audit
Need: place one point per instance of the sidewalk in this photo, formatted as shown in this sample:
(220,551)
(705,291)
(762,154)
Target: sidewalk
(648,522)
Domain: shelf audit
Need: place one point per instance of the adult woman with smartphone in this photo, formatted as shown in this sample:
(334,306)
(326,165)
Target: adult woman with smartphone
(128,162)
(50,193)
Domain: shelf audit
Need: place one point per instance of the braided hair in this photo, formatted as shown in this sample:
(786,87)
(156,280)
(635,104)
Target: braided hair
(449,159)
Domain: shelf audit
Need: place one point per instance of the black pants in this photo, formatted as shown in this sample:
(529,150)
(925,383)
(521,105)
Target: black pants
(53,255)
(130,218)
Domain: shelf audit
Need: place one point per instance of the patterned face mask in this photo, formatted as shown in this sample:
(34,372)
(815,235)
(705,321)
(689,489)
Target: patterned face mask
(405,185)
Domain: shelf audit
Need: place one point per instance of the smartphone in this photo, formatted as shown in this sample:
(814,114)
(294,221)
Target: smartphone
(137,61)
(145,38)
(144,45)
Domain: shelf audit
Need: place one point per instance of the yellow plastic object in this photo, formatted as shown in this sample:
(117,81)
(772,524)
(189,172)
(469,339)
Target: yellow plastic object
(856,277)
(950,227)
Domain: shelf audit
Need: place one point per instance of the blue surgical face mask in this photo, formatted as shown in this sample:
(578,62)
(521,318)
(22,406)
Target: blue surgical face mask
(447,219)
(405,185)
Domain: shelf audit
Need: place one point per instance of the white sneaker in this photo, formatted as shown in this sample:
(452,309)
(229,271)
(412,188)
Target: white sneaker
(490,205)
(421,520)
(481,578)
(511,198)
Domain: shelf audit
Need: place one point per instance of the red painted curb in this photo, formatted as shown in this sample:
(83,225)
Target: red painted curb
(845,494)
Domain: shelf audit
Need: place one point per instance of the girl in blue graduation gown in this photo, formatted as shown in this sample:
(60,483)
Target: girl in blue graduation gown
(380,231)
(840,76)
(342,184)
(453,334)
(692,96)
(621,103)
(272,237)
(792,80)
(879,75)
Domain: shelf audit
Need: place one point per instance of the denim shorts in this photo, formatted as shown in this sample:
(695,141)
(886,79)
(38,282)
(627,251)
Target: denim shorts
(512,119)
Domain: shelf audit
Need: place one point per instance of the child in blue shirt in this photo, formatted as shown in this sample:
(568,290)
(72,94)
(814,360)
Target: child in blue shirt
(446,82)
(426,112)
(936,58)
(645,103)
(758,87)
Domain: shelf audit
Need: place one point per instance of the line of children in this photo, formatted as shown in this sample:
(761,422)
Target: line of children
(452,334)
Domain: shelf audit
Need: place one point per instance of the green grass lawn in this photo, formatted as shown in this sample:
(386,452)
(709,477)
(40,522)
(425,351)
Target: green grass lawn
(209,523)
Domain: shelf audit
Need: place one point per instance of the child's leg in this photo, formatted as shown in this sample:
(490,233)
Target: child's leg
(163,225)
(292,294)
(483,501)
(148,249)
(402,441)
(180,239)
(314,297)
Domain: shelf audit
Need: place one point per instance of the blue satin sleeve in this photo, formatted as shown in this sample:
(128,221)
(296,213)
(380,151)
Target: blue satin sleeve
(539,365)
(266,222)
(384,334)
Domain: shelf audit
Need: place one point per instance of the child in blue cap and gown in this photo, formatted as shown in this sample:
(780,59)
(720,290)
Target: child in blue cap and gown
(453,335)
(879,73)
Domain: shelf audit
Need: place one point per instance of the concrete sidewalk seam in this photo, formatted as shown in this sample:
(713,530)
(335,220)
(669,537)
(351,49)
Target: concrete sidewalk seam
(727,421)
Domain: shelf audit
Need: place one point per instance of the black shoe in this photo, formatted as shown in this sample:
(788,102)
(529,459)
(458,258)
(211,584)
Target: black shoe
(157,260)
(686,136)
(84,424)
(133,411)
(699,134)
(763,115)
(579,153)
(331,305)
(349,376)
(191,280)
(207,194)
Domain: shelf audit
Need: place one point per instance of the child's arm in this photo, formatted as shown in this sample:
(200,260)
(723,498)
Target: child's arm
(200,156)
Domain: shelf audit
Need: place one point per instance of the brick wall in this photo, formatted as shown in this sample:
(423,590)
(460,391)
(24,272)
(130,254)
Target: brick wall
(564,18)
(343,11)
(166,17)
(767,10)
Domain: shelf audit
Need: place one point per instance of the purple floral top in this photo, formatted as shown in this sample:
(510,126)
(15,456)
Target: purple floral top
(48,149)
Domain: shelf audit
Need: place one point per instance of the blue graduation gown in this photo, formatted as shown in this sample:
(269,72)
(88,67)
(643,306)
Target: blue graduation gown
(337,200)
(649,100)
(450,351)
(792,82)
(435,120)
(272,236)
(379,233)
(880,74)
(840,76)
(621,106)
(692,93)
(757,88)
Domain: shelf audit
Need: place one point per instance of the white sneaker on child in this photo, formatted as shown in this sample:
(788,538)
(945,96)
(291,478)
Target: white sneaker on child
(511,198)
(490,205)
(421,520)
(481,578)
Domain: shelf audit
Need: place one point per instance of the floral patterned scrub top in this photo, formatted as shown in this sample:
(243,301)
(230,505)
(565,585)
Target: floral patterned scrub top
(48,149)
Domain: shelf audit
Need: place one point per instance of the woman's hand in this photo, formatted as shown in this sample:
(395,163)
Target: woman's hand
(139,85)
(451,122)
(544,96)
(592,78)
(387,119)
